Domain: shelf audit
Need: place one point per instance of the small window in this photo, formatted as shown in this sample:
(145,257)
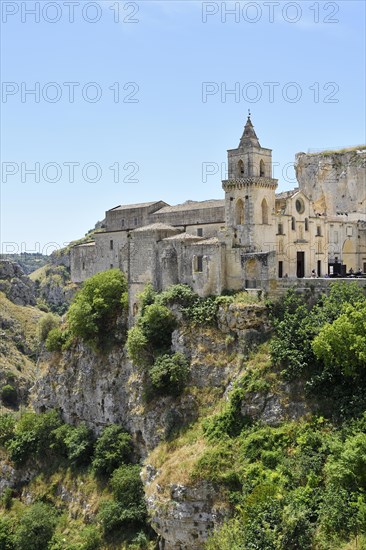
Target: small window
(111,244)
(135,221)
(293,223)
(280,270)
(239,212)
(306,224)
(300,206)
(280,229)
(111,266)
(123,223)
(318,231)
(198,264)
(83,266)
(264,212)
(261,169)
(199,232)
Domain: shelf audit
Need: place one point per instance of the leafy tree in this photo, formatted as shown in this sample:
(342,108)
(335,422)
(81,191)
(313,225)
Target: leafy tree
(127,486)
(36,527)
(179,294)
(342,344)
(138,347)
(76,442)
(96,307)
(34,436)
(157,325)
(152,334)
(6,533)
(47,323)
(169,374)
(55,340)
(7,427)
(112,449)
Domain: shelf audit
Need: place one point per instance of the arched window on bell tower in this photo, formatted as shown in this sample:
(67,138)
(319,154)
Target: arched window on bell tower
(264,211)
(261,169)
(240,169)
(239,212)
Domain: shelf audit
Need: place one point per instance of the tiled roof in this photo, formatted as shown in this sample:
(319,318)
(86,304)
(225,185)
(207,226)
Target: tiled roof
(286,194)
(85,244)
(184,237)
(192,205)
(155,226)
(133,206)
(212,240)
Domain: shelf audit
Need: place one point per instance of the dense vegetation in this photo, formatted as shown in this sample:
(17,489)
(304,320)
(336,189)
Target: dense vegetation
(44,444)
(293,484)
(94,314)
(300,484)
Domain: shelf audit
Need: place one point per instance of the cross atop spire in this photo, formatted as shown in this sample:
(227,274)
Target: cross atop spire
(249,137)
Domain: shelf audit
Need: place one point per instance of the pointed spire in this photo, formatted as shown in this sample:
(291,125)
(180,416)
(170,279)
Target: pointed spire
(249,137)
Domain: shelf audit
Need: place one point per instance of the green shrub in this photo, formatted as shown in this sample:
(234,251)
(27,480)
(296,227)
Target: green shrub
(169,374)
(91,538)
(112,449)
(46,324)
(36,527)
(34,437)
(6,533)
(7,427)
(180,294)
(7,498)
(157,325)
(55,340)
(9,395)
(152,334)
(203,311)
(137,347)
(76,443)
(139,542)
(97,306)
(109,516)
(146,297)
(342,344)
(127,486)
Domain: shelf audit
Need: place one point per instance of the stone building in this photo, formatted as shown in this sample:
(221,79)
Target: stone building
(252,238)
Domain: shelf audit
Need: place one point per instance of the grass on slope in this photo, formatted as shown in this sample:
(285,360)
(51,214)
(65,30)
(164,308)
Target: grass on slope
(18,342)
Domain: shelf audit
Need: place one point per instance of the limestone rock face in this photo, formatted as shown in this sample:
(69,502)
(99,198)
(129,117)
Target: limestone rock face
(102,389)
(335,181)
(188,517)
(17,287)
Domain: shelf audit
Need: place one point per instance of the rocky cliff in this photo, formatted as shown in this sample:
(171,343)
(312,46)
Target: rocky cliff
(17,287)
(100,389)
(334,180)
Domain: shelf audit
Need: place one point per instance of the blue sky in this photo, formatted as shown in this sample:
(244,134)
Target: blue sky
(167,122)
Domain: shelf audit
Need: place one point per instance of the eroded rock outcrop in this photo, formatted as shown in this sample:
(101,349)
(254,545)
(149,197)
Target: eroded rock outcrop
(335,181)
(17,287)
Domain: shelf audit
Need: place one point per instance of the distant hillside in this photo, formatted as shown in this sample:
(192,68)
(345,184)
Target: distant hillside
(28,262)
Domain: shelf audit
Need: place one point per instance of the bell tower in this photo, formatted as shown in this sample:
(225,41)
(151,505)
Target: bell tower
(250,194)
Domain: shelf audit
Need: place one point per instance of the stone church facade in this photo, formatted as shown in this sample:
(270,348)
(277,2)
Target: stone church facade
(252,238)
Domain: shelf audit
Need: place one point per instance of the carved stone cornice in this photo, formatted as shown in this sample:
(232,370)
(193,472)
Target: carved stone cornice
(250,181)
